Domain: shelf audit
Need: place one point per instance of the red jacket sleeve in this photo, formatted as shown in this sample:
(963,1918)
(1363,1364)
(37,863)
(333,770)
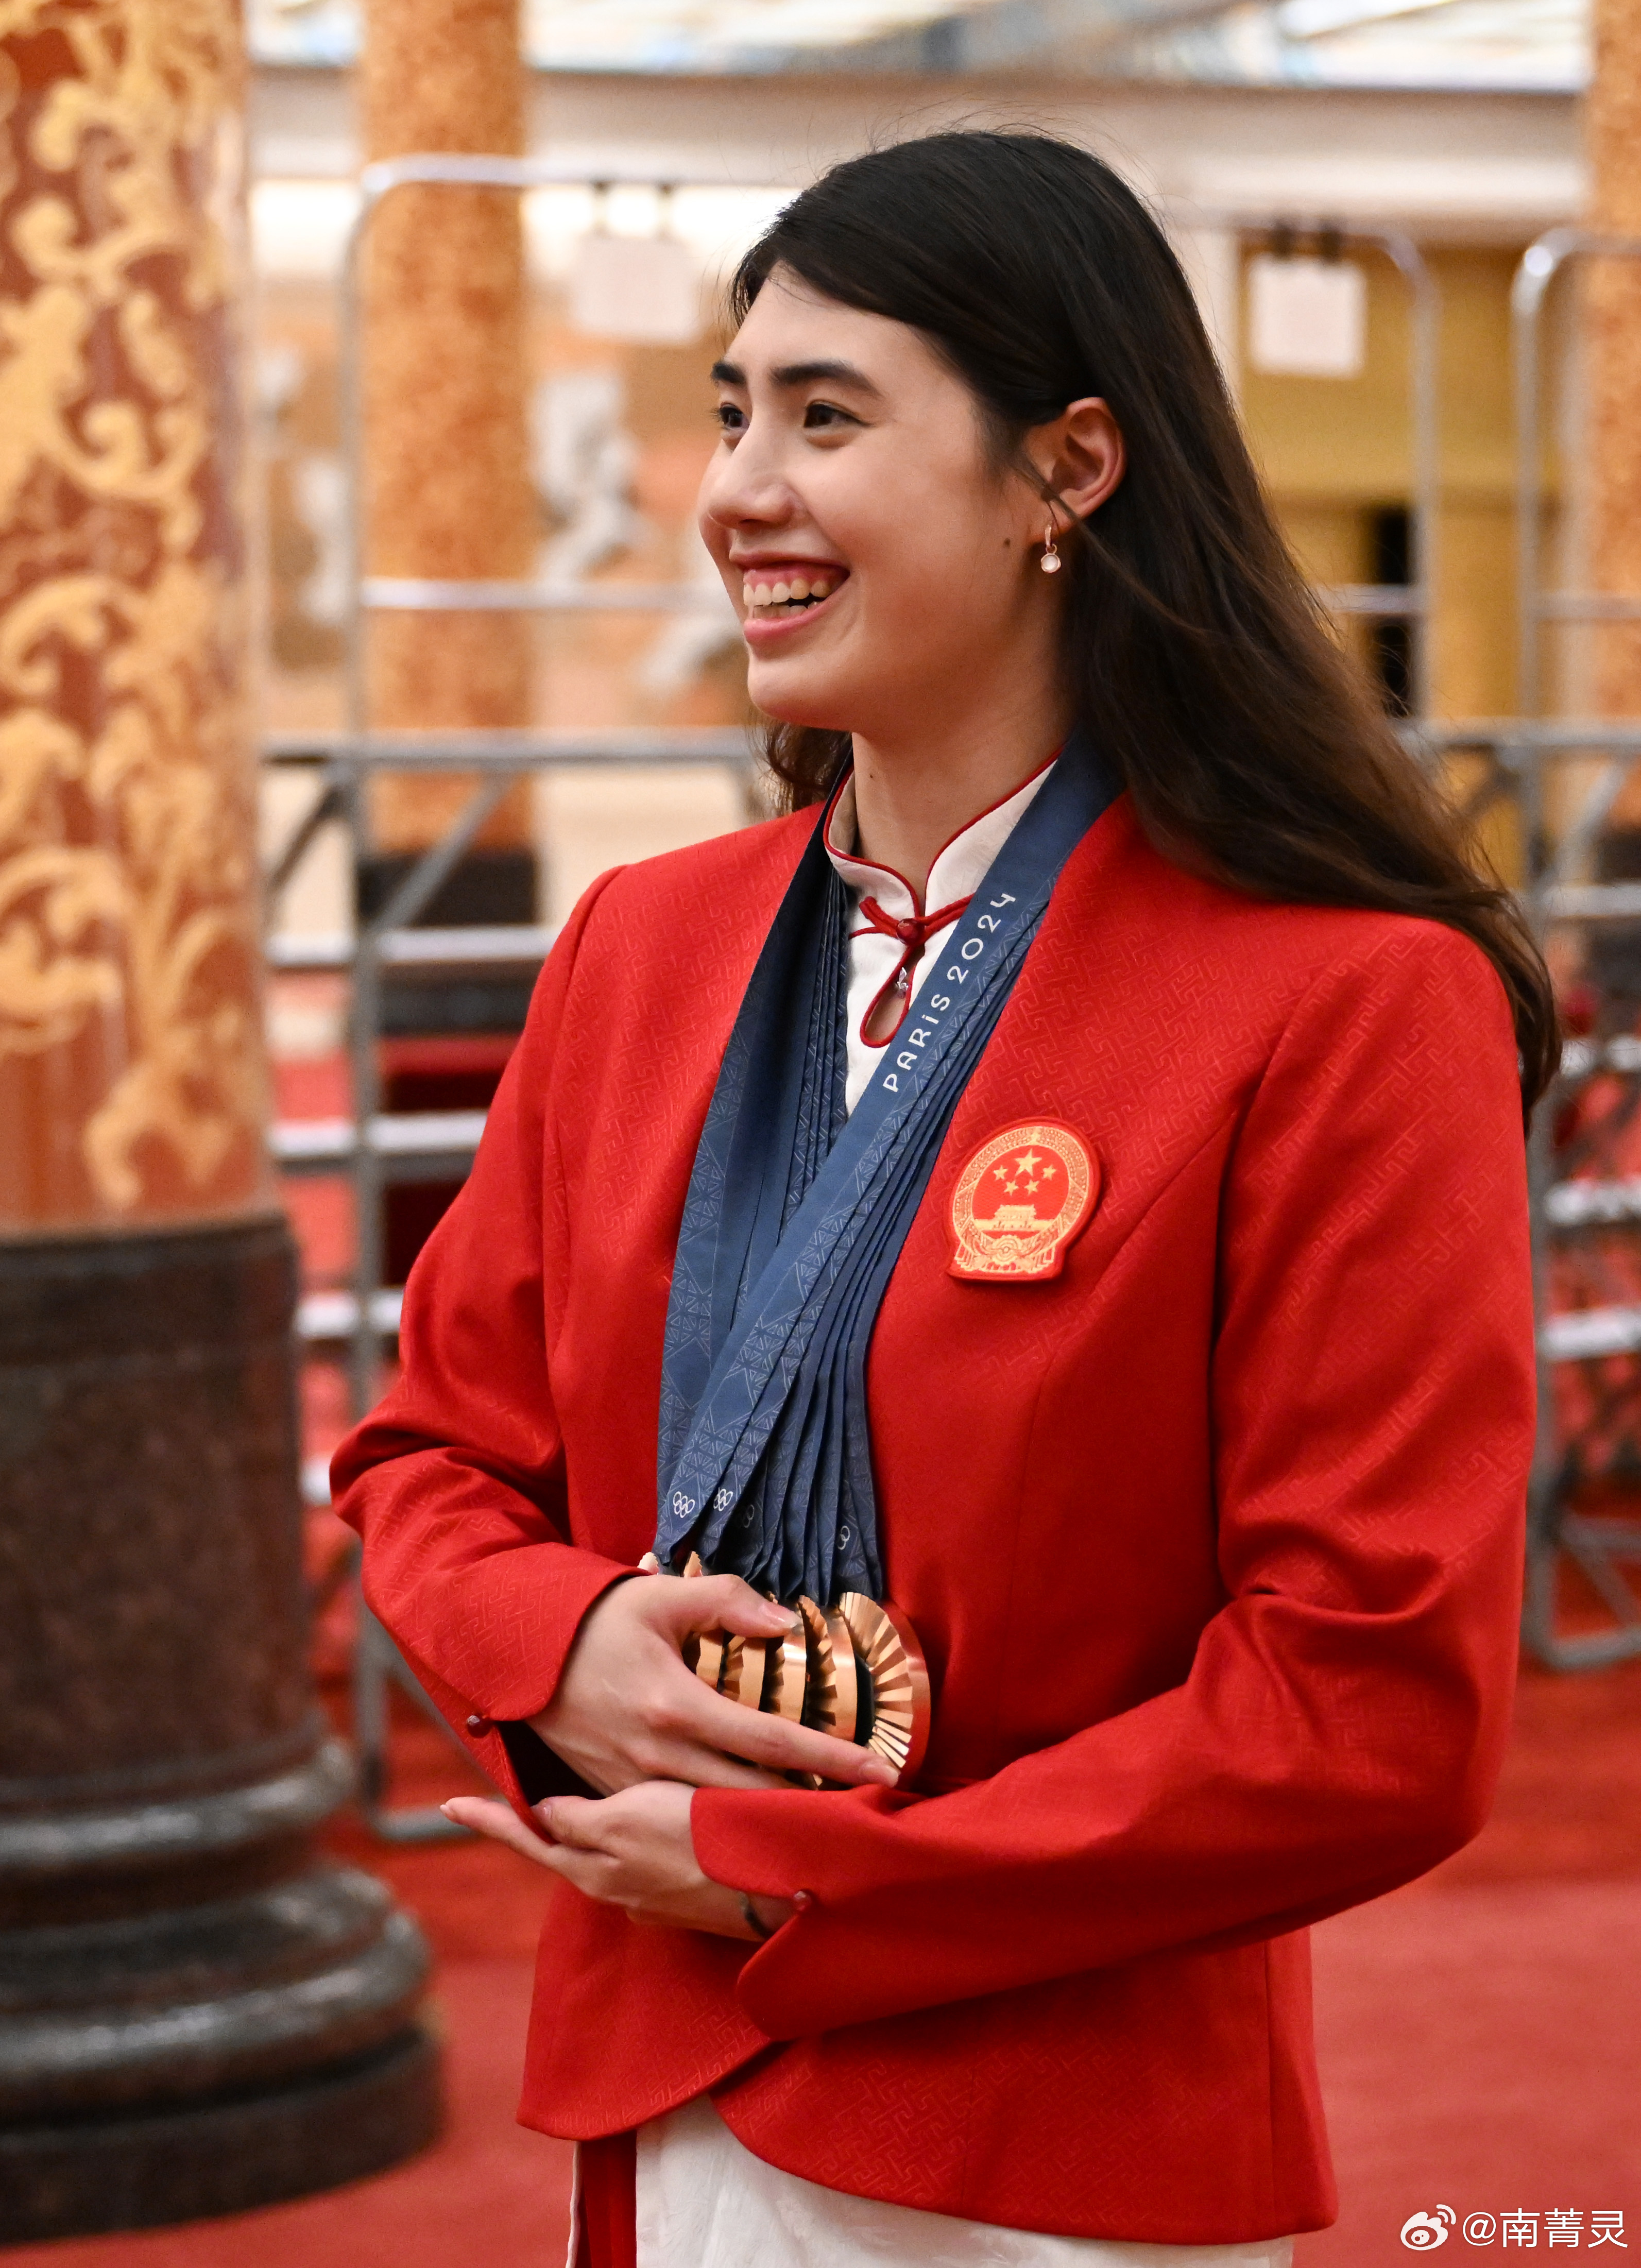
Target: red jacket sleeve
(1341,1727)
(456,1481)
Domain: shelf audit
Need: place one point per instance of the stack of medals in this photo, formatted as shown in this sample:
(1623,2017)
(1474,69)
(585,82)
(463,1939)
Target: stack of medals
(855,1671)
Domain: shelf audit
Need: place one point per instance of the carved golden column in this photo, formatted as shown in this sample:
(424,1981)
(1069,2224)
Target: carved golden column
(132,1082)
(1612,311)
(198,2016)
(447,454)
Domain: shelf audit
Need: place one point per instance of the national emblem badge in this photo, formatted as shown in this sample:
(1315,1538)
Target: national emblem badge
(1018,1202)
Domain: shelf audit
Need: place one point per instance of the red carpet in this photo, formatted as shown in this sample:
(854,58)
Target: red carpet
(1480,2032)
(1481,2049)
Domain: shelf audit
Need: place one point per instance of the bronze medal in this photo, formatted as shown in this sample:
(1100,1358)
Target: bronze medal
(845,1678)
(787,1677)
(729,1669)
(813,1675)
(891,1658)
(829,1700)
(709,1658)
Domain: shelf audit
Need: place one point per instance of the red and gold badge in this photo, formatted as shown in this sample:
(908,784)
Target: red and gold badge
(1020,1201)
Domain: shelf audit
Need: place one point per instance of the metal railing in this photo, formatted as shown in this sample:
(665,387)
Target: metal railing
(376,1148)
(1567,1204)
(1577,1221)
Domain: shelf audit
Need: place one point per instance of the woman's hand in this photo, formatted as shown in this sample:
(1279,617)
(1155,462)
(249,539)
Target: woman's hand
(633,1849)
(626,1708)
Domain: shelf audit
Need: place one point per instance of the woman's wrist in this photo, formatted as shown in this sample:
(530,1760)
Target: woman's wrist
(764,1916)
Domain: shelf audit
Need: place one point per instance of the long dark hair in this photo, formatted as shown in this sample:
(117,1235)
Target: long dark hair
(1197,653)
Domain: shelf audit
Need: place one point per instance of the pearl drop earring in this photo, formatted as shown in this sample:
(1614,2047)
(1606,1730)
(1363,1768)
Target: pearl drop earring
(1050,561)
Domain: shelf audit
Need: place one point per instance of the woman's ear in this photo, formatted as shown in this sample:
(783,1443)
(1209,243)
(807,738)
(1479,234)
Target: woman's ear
(1080,456)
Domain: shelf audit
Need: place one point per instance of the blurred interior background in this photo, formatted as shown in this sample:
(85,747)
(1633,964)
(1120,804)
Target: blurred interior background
(404,609)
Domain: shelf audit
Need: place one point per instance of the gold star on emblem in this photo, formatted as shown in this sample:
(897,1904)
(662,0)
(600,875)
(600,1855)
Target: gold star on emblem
(1028,1162)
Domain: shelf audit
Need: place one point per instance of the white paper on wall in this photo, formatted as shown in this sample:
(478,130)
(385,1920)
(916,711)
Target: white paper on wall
(646,289)
(1306,318)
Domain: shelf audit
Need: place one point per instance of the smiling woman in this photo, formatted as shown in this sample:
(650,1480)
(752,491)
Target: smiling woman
(1036,1236)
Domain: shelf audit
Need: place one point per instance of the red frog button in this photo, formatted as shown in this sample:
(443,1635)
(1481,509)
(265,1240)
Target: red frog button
(1018,1202)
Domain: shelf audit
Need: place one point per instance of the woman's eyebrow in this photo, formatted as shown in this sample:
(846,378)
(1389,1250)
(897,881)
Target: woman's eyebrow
(824,373)
(801,373)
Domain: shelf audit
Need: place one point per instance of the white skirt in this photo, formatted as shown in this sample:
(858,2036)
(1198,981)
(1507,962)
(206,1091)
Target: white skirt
(704,2201)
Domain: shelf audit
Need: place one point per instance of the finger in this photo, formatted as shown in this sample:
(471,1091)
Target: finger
(590,1871)
(577,1822)
(779,1745)
(692,1762)
(724,1602)
(484,1816)
(698,1766)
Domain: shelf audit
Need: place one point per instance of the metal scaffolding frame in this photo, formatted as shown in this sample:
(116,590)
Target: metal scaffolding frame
(375,1148)
(1567,1204)
(1586,1209)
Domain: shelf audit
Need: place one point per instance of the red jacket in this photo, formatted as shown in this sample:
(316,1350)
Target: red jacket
(1212,1541)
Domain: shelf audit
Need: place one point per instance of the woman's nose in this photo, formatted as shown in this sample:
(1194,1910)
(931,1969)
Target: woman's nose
(743,485)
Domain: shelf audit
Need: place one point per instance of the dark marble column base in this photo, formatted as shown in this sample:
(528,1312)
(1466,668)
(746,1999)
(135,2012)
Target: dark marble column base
(88,2176)
(201,2002)
(197,2013)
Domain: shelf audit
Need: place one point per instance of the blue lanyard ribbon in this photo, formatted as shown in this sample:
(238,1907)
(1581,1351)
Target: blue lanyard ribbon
(795,1217)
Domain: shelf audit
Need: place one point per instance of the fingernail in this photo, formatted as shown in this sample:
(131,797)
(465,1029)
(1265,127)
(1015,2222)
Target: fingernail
(445,1808)
(879,1775)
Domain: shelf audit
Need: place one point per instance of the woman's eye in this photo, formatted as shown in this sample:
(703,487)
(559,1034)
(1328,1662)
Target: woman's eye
(819,415)
(731,418)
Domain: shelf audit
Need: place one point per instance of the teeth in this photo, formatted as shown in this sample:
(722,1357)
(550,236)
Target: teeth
(795,590)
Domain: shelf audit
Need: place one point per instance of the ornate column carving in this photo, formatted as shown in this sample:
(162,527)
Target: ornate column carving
(194,2015)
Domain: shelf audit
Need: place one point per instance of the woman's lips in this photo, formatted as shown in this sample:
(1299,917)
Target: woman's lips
(781,598)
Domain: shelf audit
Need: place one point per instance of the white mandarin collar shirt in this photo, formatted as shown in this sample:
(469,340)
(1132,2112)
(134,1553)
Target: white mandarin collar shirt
(874,954)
